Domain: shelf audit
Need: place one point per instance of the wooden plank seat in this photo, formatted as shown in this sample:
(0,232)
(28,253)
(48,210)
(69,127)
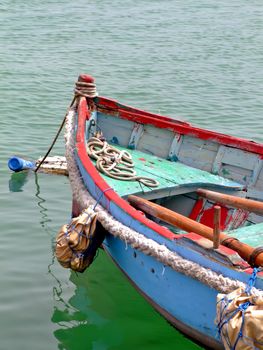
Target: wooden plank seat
(173,177)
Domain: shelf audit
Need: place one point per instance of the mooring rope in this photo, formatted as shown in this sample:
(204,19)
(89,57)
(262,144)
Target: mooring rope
(57,135)
(81,89)
(135,239)
(115,163)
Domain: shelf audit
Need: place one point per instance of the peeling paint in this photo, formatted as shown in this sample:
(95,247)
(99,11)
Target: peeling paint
(225,172)
(173,158)
(114,140)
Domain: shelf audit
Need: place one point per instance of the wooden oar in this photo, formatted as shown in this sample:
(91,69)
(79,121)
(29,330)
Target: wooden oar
(232,201)
(251,255)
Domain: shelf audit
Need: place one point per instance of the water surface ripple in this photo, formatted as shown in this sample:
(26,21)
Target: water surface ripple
(200,61)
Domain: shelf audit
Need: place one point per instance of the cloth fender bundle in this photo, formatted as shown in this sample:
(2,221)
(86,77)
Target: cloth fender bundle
(74,239)
(240,320)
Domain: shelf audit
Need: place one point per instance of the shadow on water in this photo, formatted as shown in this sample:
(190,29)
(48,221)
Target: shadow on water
(17,181)
(80,325)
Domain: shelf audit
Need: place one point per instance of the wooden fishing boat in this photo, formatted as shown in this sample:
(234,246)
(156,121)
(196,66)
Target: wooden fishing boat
(203,204)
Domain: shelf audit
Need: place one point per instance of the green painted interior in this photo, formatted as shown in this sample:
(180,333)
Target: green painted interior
(251,235)
(169,174)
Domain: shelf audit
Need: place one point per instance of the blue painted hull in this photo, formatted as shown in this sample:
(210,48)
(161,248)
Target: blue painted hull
(185,302)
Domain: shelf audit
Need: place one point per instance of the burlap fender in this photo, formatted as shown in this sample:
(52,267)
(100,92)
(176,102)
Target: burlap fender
(246,331)
(74,239)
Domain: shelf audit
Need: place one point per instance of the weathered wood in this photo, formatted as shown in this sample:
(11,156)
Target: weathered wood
(175,147)
(156,141)
(216,230)
(197,153)
(236,202)
(115,130)
(53,165)
(186,224)
(136,134)
(256,171)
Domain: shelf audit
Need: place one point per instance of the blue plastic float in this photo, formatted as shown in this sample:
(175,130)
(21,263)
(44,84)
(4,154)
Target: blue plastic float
(17,164)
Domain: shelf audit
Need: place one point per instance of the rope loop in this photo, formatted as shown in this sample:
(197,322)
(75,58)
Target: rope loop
(85,89)
(115,163)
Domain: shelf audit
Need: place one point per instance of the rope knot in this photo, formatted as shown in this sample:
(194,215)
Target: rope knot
(85,86)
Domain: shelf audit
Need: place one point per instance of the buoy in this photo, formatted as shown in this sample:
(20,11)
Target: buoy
(17,164)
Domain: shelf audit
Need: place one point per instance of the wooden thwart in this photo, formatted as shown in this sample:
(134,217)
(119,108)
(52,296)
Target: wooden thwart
(53,165)
(189,225)
(232,201)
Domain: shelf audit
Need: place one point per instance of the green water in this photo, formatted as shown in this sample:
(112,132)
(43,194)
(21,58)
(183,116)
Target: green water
(200,60)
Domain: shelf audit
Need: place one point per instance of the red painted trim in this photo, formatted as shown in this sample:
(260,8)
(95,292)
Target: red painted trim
(82,111)
(249,271)
(197,209)
(140,116)
(116,106)
(229,251)
(207,216)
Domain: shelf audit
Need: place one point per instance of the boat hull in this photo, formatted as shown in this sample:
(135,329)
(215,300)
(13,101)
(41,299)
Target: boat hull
(184,302)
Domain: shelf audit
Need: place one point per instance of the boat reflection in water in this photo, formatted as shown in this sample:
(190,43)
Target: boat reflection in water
(83,318)
(96,314)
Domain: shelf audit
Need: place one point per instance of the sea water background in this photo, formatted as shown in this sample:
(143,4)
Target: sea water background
(200,60)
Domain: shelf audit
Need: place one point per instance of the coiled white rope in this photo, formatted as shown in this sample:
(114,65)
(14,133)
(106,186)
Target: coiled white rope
(134,239)
(85,89)
(115,163)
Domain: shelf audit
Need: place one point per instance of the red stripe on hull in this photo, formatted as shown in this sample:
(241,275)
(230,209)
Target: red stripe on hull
(180,127)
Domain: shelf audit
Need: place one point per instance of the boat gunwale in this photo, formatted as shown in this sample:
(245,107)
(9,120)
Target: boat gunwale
(140,116)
